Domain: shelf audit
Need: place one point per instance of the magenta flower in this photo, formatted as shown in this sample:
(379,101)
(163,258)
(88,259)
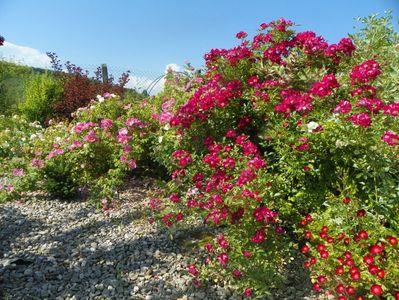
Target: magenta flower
(223,243)
(75,145)
(209,247)
(343,107)
(168,105)
(390,137)
(362,119)
(223,258)
(38,163)
(133,122)
(303,147)
(192,269)
(259,237)
(165,117)
(106,123)
(248,292)
(241,35)
(365,72)
(237,274)
(131,164)
(392,109)
(17,172)
(91,137)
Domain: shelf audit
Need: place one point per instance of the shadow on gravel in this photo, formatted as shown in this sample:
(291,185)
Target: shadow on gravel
(13,225)
(92,271)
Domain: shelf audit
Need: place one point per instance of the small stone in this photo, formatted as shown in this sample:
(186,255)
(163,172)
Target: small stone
(28,272)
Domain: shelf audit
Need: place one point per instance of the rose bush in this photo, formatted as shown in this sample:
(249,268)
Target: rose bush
(285,144)
(278,127)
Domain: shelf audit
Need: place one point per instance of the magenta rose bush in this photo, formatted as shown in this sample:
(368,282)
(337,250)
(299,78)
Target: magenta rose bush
(285,147)
(280,129)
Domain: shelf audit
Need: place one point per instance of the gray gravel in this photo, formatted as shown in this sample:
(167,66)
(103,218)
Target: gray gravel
(69,250)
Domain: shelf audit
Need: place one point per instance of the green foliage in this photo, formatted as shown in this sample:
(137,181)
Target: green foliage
(12,81)
(58,179)
(41,92)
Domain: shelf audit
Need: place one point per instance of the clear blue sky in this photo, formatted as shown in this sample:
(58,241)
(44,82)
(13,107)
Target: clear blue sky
(148,35)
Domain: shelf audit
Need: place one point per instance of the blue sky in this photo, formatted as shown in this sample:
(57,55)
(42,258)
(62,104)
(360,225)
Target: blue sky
(148,35)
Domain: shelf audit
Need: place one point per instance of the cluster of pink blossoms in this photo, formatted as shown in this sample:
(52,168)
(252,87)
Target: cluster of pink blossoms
(365,72)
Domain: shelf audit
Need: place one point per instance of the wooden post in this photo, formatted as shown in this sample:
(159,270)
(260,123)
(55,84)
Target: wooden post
(104,72)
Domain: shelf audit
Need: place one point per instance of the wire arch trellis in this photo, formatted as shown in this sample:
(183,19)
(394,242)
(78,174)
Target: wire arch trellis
(154,83)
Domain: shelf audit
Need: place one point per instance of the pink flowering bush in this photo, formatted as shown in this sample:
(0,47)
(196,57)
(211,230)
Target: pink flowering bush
(285,145)
(277,128)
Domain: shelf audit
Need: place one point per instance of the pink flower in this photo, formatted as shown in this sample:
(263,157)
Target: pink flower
(123,137)
(166,106)
(192,269)
(10,188)
(279,230)
(248,292)
(179,216)
(325,86)
(123,131)
(241,35)
(390,137)
(165,117)
(223,258)
(90,137)
(373,105)
(392,109)
(365,72)
(131,164)
(174,198)
(231,133)
(303,147)
(17,172)
(223,243)
(246,253)
(37,163)
(107,95)
(209,247)
(362,119)
(237,274)
(343,107)
(55,153)
(75,145)
(127,149)
(106,123)
(259,236)
(134,122)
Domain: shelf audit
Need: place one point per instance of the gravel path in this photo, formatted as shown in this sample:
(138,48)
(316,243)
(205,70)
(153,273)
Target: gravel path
(70,250)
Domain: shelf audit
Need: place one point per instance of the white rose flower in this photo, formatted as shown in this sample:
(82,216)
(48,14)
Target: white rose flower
(100,98)
(312,126)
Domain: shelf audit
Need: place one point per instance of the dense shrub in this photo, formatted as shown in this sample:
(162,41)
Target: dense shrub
(79,88)
(12,82)
(286,145)
(281,127)
(41,92)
